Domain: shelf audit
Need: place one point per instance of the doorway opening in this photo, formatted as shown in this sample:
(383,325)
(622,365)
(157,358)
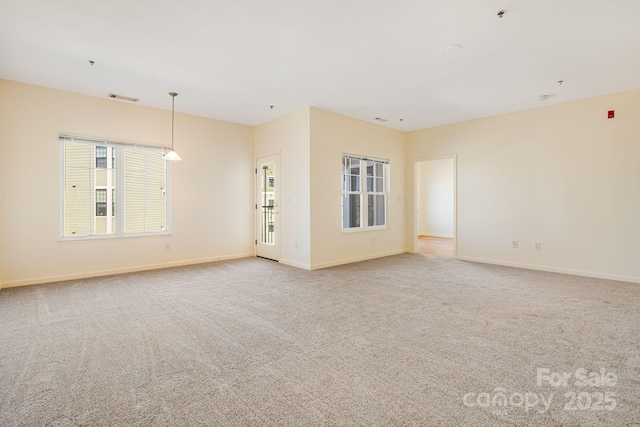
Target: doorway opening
(267,207)
(435,201)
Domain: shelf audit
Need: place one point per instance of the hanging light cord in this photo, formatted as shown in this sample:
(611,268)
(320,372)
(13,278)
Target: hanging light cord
(173,101)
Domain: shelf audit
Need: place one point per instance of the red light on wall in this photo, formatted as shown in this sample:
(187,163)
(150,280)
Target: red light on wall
(611,114)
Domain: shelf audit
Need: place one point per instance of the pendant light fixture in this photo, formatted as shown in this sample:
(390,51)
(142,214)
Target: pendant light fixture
(172,155)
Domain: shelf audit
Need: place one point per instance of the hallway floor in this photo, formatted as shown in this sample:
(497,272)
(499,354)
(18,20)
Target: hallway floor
(431,245)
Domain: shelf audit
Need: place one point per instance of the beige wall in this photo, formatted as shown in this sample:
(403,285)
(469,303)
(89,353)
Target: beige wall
(212,215)
(331,136)
(2,177)
(562,175)
(311,142)
(289,135)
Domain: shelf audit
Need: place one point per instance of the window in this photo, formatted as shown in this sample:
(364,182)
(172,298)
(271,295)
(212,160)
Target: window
(112,189)
(101,202)
(101,157)
(364,192)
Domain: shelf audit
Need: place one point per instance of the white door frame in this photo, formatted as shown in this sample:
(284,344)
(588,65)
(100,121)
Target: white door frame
(455,199)
(276,252)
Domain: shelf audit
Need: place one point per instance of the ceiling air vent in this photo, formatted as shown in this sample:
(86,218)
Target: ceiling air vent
(122,98)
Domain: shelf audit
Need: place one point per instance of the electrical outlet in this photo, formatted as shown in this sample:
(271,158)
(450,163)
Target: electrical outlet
(538,246)
(167,246)
(514,244)
(296,244)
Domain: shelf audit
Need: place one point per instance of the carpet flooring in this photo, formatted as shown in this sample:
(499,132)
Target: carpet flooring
(408,340)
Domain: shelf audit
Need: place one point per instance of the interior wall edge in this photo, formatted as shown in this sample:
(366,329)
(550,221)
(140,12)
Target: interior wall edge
(357,259)
(291,263)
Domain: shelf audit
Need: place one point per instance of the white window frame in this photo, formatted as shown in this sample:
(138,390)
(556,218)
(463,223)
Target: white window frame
(118,149)
(364,199)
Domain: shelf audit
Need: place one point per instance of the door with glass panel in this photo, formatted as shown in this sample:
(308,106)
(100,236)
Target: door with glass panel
(268,207)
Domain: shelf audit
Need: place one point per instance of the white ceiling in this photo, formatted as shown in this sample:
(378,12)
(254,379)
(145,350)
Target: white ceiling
(231,60)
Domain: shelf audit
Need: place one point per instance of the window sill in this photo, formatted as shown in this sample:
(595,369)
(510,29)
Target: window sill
(69,239)
(364,230)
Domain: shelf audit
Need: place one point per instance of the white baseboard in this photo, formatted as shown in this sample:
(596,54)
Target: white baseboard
(89,274)
(450,236)
(295,264)
(357,259)
(98,273)
(593,274)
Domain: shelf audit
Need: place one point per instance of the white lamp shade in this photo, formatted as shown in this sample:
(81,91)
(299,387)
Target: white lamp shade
(172,155)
